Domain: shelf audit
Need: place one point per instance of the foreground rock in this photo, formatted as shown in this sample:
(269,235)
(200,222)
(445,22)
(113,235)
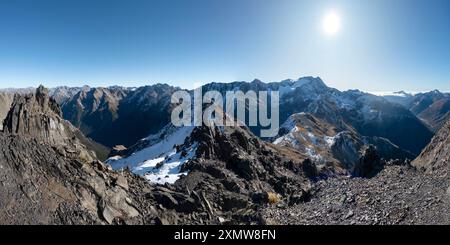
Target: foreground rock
(417,194)
(237,171)
(397,195)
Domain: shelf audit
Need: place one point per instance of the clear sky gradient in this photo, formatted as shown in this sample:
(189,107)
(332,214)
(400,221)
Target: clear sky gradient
(383,45)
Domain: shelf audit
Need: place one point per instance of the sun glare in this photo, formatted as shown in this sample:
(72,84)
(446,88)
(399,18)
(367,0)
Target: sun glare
(331,23)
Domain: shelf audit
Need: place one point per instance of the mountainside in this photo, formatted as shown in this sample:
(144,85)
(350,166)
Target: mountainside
(397,195)
(432,107)
(63,93)
(436,156)
(122,116)
(324,143)
(119,116)
(370,115)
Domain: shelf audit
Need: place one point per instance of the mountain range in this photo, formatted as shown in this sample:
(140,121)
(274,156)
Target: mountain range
(431,107)
(111,156)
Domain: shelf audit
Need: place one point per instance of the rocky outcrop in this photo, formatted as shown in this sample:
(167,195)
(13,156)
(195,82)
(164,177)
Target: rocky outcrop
(234,168)
(369,163)
(436,156)
(39,117)
(41,185)
(338,146)
(5,104)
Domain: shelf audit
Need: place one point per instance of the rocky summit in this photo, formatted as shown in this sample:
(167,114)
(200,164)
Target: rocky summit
(49,176)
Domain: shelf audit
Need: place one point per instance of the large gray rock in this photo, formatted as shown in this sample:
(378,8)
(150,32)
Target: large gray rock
(38,116)
(6,100)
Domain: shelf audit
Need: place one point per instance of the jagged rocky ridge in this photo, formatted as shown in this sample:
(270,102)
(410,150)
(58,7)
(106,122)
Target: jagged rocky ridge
(49,176)
(38,116)
(231,166)
(328,144)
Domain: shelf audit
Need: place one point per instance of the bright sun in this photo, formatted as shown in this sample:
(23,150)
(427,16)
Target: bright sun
(331,23)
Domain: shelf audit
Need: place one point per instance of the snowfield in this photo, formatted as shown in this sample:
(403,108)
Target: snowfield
(159,162)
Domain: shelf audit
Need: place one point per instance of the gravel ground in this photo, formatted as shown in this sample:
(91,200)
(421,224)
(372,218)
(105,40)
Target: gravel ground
(397,195)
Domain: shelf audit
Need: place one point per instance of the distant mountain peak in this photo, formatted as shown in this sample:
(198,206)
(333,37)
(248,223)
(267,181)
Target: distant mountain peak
(315,81)
(402,93)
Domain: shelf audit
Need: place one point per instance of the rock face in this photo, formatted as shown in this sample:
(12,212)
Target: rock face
(5,104)
(39,117)
(341,147)
(41,185)
(49,176)
(231,165)
(436,156)
(119,116)
(369,163)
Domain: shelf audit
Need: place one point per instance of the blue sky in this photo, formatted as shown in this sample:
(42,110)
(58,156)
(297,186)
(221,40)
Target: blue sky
(383,45)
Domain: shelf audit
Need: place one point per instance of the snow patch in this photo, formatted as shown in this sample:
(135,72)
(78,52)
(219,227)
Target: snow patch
(330,140)
(159,162)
